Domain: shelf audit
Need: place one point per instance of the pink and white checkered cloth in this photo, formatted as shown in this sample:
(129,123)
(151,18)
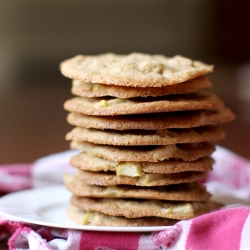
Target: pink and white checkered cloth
(226,229)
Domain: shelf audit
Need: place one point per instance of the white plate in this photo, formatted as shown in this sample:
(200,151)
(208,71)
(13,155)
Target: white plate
(47,206)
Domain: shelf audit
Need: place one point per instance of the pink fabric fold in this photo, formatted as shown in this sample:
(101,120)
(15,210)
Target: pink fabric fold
(14,177)
(228,228)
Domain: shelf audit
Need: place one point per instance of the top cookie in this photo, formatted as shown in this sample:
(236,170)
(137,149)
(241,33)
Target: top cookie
(133,70)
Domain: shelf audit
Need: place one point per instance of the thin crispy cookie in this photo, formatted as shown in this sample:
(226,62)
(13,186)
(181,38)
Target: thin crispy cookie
(135,70)
(88,162)
(132,208)
(110,179)
(107,107)
(146,138)
(90,218)
(88,89)
(185,152)
(192,191)
(185,119)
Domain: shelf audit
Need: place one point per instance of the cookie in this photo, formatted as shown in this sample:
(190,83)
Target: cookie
(88,162)
(191,191)
(185,152)
(133,208)
(88,89)
(146,138)
(133,70)
(181,119)
(146,180)
(114,106)
(92,218)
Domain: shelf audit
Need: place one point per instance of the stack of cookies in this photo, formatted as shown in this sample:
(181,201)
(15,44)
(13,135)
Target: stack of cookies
(145,127)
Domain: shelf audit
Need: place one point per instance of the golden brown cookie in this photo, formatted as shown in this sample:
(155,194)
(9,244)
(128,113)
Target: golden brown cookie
(88,162)
(146,180)
(88,89)
(133,208)
(92,218)
(185,152)
(191,191)
(184,119)
(114,106)
(146,138)
(134,70)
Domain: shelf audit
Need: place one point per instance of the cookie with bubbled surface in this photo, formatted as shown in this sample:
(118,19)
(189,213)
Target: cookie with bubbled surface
(135,69)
